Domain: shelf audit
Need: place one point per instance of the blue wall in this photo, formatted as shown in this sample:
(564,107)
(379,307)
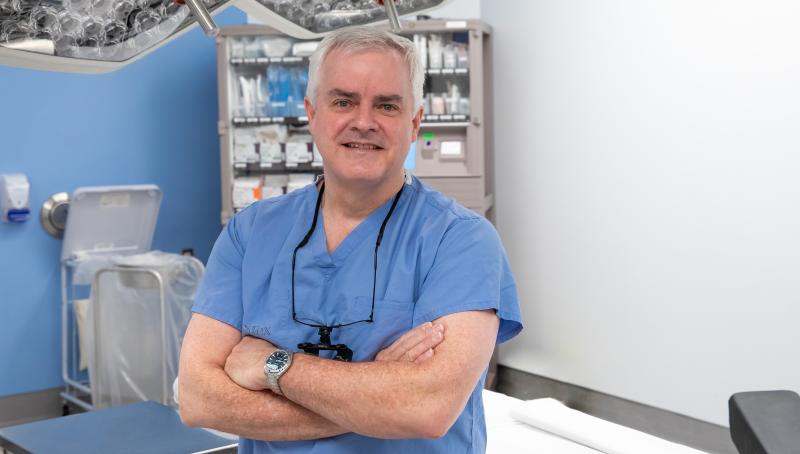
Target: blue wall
(151,122)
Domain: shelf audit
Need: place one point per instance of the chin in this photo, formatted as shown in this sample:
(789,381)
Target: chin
(366,176)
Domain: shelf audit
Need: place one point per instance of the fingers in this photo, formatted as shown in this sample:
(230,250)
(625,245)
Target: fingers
(427,355)
(407,341)
(428,343)
(414,344)
(413,337)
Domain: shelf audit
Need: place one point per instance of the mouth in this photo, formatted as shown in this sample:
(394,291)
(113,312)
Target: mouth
(365,146)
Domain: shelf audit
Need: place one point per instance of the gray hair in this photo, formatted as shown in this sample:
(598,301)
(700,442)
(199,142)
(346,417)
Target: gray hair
(359,39)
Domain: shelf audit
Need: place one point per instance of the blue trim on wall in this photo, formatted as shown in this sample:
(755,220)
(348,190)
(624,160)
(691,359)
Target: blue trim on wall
(154,121)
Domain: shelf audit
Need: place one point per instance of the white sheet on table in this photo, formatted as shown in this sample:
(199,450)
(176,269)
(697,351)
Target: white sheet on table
(552,416)
(508,436)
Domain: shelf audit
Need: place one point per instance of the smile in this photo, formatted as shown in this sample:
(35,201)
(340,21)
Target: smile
(362,146)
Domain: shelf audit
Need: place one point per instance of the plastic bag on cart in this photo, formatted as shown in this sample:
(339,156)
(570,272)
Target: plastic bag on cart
(135,339)
(84,267)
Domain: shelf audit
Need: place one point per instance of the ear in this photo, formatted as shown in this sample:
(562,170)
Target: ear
(310,112)
(416,122)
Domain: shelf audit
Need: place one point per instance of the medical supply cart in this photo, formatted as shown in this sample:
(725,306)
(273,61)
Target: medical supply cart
(123,308)
(265,147)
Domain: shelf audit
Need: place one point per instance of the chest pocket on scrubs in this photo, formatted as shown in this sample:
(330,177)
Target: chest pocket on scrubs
(271,319)
(391,320)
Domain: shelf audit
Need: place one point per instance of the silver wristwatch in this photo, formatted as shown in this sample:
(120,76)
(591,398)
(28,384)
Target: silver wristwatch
(276,365)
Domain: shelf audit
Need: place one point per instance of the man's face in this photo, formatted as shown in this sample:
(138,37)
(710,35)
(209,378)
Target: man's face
(364,119)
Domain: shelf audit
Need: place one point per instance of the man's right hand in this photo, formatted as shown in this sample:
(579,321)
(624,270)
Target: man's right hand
(414,346)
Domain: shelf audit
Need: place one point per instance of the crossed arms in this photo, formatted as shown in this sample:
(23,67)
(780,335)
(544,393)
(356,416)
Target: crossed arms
(415,388)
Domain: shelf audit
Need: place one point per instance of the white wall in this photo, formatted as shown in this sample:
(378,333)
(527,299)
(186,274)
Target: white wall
(648,193)
(458,9)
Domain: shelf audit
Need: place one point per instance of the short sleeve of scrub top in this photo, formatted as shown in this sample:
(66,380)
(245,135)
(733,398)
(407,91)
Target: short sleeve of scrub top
(223,277)
(470,272)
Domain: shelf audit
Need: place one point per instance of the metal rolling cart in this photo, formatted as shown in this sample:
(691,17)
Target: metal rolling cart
(76,382)
(108,232)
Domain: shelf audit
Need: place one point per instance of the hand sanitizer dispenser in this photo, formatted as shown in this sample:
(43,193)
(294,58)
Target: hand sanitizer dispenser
(14,191)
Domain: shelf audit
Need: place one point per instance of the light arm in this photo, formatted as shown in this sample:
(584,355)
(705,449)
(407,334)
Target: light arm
(399,399)
(208,397)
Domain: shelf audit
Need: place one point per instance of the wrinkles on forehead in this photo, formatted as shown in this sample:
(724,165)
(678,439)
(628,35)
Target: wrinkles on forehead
(338,56)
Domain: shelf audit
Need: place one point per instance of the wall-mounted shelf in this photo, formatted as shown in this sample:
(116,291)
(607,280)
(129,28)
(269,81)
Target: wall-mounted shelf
(445,124)
(447,71)
(446,118)
(254,121)
(278,167)
(265,60)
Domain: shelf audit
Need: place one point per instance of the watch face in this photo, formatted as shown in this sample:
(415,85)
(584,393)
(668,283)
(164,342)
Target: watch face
(277,361)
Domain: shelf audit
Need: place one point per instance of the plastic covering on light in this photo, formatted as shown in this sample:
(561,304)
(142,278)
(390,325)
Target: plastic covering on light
(321,16)
(116,31)
(106,30)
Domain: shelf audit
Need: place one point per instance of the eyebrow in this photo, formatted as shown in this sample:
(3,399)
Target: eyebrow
(339,93)
(336,92)
(388,98)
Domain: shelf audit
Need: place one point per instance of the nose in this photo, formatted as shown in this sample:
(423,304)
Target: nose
(364,120)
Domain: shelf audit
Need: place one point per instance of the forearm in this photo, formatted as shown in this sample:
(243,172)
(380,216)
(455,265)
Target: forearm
(378,399)
(399,399)
(210,399)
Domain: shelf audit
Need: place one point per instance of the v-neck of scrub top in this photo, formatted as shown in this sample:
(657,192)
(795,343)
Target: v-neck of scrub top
(369,226)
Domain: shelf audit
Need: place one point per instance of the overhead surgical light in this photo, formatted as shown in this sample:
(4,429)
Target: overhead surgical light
(96,36)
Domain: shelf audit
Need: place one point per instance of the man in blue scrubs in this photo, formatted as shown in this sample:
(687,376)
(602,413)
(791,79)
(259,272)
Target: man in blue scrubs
(368,264)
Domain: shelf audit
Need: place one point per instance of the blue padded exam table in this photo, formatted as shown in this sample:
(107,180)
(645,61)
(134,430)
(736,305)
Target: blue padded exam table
(144,427)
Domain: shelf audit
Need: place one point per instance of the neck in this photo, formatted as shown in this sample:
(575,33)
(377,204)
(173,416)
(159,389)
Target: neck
(353,202)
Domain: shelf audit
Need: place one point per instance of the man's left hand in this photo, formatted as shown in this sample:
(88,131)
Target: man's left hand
(245,364)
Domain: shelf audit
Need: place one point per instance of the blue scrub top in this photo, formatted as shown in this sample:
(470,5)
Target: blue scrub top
(436,258)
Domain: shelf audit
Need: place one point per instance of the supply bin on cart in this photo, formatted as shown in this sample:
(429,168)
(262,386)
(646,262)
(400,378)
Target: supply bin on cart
(124,308)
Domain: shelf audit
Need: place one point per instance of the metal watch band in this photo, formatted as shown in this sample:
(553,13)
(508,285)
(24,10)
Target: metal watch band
(274,376)
(272,383)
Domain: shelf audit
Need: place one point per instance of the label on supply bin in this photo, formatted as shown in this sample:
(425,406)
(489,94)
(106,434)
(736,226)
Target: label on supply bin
(297,152)
(271,152)
(119,200)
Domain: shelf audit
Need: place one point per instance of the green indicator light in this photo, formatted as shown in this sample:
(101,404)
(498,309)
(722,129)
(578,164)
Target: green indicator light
(428,136)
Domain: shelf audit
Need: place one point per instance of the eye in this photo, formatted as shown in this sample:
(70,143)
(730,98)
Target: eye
(389,108)
(342,103)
